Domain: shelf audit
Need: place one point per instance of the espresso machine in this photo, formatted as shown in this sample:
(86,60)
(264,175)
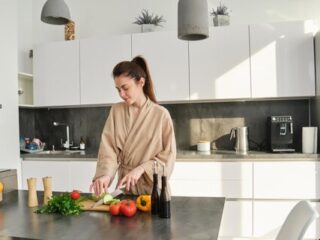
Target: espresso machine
(280,134)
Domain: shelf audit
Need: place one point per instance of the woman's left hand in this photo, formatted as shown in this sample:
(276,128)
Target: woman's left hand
(131,178)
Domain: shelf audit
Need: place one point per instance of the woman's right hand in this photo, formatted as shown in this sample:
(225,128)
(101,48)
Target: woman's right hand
(100,185)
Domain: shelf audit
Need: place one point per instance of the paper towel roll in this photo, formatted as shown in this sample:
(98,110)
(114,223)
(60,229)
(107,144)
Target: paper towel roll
(309,139)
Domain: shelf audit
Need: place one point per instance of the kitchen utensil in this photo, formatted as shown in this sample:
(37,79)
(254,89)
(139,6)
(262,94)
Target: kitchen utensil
(47,186)
(241,136)
(32,192)
(115,193)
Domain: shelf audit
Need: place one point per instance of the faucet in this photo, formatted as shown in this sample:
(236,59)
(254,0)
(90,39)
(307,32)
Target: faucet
(66,145)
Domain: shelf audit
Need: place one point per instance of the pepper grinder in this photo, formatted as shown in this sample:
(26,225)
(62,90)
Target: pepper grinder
(47,186)
(32,192)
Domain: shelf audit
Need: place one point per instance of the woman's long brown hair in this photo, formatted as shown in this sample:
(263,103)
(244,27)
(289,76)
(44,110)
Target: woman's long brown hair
(136,69)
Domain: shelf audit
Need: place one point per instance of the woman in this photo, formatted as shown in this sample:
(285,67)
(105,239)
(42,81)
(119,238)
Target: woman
(137,132)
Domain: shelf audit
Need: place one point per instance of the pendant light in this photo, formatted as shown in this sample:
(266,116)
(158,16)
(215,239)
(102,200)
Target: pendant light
(55,12)
(193,21)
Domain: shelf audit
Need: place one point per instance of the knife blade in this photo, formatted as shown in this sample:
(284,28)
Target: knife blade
(114,194)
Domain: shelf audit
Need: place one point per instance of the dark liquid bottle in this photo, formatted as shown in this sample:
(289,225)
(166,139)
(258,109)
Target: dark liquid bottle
(165,211)
(155,195)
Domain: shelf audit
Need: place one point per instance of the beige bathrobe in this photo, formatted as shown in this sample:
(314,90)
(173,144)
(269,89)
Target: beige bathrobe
(128,142)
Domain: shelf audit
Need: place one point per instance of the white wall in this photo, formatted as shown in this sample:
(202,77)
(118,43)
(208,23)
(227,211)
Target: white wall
(9,126)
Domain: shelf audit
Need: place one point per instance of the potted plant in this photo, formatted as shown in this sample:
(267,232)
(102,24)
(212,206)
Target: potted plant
(148,21)
(220,15)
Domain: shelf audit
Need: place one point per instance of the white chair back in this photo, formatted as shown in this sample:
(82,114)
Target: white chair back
(297,222)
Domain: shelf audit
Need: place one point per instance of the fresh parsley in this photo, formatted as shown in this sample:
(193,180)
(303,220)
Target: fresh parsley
(62,204)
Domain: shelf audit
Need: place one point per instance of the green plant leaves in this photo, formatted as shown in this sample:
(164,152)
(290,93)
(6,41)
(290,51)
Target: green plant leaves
(62,204)
(147,18)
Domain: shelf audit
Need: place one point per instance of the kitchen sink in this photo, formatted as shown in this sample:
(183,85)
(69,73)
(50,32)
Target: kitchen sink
(58,152)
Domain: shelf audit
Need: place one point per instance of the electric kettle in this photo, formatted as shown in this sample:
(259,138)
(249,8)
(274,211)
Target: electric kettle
(241,136)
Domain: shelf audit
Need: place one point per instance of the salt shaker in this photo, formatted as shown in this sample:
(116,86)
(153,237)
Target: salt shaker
(47,186)
(32,192)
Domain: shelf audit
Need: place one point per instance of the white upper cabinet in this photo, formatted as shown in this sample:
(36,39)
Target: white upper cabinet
(282,59)
(167,58)
(97,60)
(220,65)
(56,74)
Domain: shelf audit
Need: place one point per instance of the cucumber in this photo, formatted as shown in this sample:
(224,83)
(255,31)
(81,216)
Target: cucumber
(107,198)
(113,201)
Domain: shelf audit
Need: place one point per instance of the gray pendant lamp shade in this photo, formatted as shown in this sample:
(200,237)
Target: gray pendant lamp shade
(55,12)
(193,23)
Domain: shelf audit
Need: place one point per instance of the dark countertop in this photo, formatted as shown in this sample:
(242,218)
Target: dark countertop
(191,218)
(185,156)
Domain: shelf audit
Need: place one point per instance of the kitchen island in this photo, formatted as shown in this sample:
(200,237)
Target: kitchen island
(191,218)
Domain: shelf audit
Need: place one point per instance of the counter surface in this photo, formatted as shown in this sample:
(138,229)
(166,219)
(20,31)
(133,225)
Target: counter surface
(191,218)
(186,156)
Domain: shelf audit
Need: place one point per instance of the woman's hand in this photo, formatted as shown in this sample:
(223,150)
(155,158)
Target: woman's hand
(131,178)
(100,185)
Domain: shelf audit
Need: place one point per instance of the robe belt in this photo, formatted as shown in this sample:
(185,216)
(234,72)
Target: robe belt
(127,167)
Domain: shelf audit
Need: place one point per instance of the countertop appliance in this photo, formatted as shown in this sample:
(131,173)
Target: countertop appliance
(280,134)
(241,136)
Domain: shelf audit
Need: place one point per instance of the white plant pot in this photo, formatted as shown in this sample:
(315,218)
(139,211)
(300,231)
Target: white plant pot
(147,27)
(221,20)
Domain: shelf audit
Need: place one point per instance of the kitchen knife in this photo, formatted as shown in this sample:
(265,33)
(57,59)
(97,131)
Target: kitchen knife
(114,194)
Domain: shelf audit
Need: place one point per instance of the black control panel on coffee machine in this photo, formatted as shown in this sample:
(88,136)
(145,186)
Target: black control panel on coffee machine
(280,134)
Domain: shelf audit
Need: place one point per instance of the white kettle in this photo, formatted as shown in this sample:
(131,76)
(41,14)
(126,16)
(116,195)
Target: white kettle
(241,136)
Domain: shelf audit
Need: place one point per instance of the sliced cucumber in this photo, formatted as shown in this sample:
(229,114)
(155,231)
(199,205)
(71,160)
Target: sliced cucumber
(113,201)
(107,198)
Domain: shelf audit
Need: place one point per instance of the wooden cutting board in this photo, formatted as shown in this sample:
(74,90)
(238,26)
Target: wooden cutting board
(88,203)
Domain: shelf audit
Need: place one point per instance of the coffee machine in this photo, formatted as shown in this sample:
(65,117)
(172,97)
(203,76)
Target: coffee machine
(280,134)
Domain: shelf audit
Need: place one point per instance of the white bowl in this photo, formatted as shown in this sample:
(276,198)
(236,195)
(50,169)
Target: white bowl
(203,146)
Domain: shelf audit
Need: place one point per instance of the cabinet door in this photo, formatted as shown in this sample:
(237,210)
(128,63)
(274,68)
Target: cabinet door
(82,173)
(233,180)
(282,59)
(286,180)
(167,58)
(56,74)
(97,60)
(59,171)
(236,219)
(219,65)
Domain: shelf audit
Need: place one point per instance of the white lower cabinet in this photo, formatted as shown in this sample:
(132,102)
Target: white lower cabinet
(82,173)
(278,186)
(287,180)
(66,175)
(59,171)
(236,219)
(212,179)
(219,179)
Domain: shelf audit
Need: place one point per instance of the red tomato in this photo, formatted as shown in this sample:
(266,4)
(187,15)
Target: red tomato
(115,208)
(75,195)
(128,208)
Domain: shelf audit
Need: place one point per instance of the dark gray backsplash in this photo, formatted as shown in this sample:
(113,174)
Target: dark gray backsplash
(192,122)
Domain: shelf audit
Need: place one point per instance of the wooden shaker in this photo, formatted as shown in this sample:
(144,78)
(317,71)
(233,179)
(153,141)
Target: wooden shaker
(32,192)
(47,186)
